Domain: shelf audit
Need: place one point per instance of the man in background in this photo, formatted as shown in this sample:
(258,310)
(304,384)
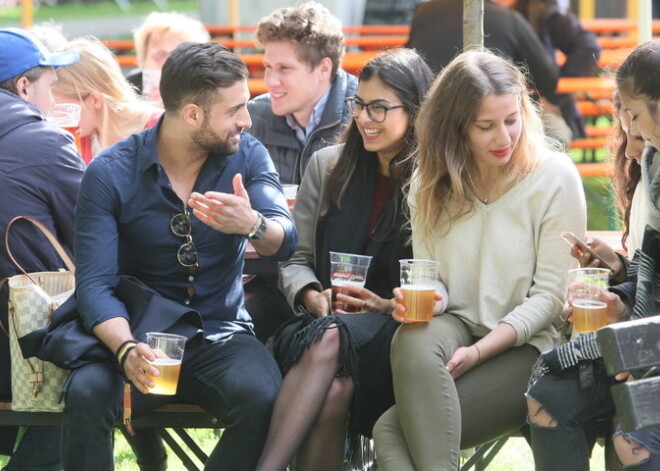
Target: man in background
(436,32)
(303,111)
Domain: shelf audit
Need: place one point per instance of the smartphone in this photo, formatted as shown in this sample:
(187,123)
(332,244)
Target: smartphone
(573,240)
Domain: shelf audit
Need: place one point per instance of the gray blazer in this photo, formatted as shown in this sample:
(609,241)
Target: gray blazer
(299,271)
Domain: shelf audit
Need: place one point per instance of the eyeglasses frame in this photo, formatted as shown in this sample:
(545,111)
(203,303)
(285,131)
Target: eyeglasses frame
(352,101)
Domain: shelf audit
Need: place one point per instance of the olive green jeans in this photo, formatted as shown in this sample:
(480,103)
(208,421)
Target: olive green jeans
(435,416)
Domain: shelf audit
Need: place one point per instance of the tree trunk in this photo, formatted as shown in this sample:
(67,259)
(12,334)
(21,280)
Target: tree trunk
(473,23)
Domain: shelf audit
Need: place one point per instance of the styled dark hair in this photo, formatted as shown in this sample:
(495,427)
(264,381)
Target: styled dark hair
(627,172)
(405,73)
(194,71)
(639,74)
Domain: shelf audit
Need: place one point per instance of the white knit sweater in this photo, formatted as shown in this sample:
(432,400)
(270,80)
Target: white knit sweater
(506,262)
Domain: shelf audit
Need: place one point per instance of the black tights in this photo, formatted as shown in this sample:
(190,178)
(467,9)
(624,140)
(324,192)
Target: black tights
(309,418)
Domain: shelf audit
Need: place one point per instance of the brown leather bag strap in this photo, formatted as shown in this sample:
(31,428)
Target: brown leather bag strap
(3,329)
(53,240)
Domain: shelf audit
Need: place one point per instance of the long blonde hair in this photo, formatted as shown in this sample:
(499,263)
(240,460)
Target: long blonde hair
(97,71)
(444,163)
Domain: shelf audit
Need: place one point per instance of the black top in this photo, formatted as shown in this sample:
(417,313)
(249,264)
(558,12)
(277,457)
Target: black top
(437,34)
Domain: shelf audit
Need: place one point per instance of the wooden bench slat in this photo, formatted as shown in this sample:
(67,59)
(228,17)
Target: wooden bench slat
(630,345)
(637,403)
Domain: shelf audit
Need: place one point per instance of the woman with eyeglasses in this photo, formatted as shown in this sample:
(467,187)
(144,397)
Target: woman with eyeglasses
(350,200)
(488,199)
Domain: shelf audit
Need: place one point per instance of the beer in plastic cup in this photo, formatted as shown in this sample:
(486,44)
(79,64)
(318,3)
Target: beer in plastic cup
(151,86)
(67,117)
(290,191)
(168,349)
(347,270)
(418,283)
(585,288)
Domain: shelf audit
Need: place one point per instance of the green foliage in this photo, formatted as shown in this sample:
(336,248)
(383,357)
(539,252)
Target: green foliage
(89,11)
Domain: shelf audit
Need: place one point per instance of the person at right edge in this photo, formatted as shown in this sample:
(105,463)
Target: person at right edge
(569,396)
(40,172)
(489,197)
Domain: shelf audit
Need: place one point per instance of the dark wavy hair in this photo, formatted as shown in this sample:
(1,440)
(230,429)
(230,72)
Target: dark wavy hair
(405,73)
(626,172)
(194,71)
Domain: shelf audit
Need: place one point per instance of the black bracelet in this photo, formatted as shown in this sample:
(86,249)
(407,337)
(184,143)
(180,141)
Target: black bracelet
(123,344)
(122,360)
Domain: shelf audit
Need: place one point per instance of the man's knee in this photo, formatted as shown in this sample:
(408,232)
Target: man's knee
(93,390)
(538,416)
(629,451)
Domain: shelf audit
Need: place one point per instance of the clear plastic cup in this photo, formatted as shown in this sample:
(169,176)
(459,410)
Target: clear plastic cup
(347,270)
(168,349)
(419,279)
(585,293)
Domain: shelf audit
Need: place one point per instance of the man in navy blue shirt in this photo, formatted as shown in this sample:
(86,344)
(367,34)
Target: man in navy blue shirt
(40,171)
(174,207)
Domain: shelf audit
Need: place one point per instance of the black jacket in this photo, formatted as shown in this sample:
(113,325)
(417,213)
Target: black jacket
(437,34)
(288,154)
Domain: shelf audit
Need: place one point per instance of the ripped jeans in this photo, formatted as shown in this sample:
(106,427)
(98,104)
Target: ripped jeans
(581,413)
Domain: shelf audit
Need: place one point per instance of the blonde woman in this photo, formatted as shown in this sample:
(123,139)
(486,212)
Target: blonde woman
(110,108)
(489,197)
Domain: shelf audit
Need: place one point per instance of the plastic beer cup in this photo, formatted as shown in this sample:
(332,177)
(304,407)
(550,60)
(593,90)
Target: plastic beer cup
(347,270)
(168,349)
(418,282)
(290,192)
(585,288)
(67,116)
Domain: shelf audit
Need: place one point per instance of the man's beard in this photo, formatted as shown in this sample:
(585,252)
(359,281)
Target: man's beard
(211,142)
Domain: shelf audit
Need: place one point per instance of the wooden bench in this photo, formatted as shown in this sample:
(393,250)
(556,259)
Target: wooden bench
(170,418)
(628,346)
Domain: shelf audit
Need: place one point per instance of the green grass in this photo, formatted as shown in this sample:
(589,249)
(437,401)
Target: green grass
(89,11)
(514,456)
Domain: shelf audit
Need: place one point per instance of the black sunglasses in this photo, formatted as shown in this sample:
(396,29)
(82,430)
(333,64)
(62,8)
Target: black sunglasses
(187,253)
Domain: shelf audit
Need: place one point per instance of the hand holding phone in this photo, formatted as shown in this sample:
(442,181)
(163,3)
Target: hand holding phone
(581,247)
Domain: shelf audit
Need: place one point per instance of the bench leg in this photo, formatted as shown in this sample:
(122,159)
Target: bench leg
(178,451)
(484,454)
(191,444)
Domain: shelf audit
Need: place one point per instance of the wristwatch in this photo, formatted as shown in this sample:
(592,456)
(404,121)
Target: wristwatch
(259,228)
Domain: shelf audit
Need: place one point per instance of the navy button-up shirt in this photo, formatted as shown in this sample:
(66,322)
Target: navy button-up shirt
(123,228)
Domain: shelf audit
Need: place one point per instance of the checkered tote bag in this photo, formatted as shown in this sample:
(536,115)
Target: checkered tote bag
(36,385)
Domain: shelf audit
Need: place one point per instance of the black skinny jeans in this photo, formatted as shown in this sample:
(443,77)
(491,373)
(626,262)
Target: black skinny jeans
(235,379)
(581,413)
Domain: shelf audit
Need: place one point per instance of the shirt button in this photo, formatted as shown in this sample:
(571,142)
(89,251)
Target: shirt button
(191,278)
(186,302)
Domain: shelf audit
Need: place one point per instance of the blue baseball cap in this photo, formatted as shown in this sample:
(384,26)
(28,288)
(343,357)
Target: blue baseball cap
(20,52)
